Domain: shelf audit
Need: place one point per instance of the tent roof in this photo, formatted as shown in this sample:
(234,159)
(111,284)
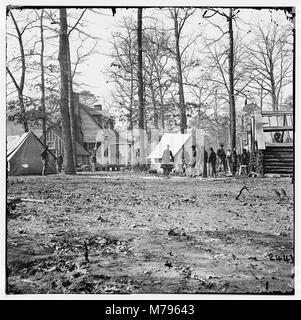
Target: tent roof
(175,141)
(24,155)
(13,143)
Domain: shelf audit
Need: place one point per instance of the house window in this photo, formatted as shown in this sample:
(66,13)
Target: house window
(50,144)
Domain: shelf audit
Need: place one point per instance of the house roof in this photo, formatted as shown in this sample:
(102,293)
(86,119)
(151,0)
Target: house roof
(81,151)
(96,115)
(111,133)
(91,111)
(175,141)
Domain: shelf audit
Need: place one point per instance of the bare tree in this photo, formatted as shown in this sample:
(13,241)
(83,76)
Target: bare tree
(230,72)
(20,85)
(64,104)
(42,70)
(179,22)
(271,63)
(123,70)
(159,65)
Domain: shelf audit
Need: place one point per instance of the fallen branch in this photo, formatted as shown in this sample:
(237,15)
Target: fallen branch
(16,200)
(240,192)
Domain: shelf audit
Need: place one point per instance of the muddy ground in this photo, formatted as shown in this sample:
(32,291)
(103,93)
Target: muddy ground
(118,232)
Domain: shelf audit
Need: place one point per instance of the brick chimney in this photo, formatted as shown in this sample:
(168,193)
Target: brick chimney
(98,107)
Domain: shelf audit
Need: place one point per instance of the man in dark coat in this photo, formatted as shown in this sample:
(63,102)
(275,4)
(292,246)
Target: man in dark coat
(45,159)
(193,162)
(59,162)
(245,157)
(212,161)
(93,160)
(221,154)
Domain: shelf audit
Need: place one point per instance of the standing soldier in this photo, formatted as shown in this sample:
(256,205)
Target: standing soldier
(193,162)
(222,159)
(229,161)
(245,157)
(59,162)
(93,160)
(167,161)
(212,161)
(45,159)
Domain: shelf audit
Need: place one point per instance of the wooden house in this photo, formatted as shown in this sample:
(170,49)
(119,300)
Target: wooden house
(96,133)
(54,140)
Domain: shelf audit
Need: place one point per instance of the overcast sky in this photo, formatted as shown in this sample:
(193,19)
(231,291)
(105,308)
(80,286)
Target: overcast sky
(102,27)
(104,24)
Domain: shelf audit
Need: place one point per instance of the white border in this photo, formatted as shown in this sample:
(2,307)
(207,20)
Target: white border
(161,3)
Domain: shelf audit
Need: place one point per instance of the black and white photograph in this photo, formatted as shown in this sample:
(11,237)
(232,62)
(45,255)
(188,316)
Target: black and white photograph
(150,150)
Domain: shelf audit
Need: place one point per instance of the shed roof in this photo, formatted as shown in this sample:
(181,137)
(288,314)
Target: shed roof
(80,151)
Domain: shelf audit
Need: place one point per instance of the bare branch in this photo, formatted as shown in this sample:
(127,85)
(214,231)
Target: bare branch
(77,22)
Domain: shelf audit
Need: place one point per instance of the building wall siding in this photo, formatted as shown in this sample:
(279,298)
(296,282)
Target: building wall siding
(89,128)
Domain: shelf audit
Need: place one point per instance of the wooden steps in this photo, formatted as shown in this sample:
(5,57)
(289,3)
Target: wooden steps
(278,159)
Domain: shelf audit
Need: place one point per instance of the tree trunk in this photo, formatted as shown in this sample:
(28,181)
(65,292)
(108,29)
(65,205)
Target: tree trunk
(183,118)
(42,79)
(273,87)
(64,105)
(231,84)
(23,113)
(162,113)
(155,110)
(131,101)
(216,119)
(132,122)
(140,88)
(73,123)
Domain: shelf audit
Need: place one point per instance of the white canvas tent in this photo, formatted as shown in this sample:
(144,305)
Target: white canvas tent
(176,142)
(24,155)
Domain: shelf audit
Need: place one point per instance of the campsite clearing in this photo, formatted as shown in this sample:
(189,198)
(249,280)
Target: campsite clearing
(118,232)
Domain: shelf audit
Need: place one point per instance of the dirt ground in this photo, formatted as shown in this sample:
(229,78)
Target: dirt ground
(118,232)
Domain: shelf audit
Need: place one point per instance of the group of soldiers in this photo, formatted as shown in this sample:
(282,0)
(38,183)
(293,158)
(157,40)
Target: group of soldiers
(226,162)
(220,162)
